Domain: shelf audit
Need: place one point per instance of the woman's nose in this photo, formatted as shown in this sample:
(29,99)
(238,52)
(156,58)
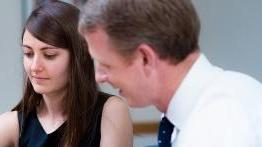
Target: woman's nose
(36,65)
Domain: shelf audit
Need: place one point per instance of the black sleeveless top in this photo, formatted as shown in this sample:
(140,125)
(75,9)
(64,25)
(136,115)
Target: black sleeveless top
(32,133)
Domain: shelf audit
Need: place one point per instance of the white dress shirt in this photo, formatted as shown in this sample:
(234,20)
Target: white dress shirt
(216,108)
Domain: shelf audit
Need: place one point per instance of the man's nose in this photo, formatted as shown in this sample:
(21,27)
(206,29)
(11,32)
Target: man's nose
(101,75)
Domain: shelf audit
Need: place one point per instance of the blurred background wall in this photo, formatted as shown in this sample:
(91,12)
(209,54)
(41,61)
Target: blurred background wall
(10,53)
(231,37)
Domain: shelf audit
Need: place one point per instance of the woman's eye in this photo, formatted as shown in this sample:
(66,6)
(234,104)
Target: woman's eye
(50,56)
(28,54)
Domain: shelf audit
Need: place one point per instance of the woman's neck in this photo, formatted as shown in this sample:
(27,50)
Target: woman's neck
(51,111)
(52,105)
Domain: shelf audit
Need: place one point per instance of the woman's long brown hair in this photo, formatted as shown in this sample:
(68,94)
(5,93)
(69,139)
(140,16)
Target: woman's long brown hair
(55,23)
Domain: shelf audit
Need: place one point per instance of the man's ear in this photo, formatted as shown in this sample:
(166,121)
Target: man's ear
(148,58)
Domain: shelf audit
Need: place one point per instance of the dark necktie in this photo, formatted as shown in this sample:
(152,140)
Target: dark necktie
(164,133)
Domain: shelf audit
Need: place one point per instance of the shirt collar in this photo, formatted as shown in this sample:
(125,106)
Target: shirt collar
(187,96)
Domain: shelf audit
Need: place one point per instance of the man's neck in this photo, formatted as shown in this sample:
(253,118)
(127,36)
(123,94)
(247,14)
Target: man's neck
(171,77)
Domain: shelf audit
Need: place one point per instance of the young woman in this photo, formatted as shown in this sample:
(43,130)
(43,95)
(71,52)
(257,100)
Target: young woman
(61,105)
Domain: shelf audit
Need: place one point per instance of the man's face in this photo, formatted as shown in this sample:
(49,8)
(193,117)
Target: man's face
(125,75)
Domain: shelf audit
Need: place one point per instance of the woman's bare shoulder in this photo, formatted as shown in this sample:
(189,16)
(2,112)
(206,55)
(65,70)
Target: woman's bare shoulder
(115,102)
(9,129)
(114,108)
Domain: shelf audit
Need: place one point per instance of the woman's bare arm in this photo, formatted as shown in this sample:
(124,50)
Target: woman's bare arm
(116,124)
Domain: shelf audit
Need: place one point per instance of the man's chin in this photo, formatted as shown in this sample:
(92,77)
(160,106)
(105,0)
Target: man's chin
(135,104)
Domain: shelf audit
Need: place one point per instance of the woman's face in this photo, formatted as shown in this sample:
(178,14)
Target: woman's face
(46,66)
